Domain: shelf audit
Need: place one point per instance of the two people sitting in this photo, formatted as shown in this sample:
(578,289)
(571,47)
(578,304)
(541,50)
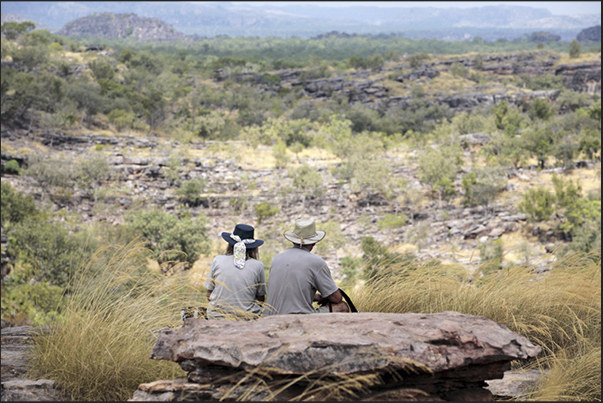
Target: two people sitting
(236,282)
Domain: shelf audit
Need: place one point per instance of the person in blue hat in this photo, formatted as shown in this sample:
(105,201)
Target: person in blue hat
(236,283)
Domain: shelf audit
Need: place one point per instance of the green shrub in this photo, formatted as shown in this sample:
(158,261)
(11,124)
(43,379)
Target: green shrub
(265,210)
(15,206)
(540,109)
(48,251)
(538,204)
(575,49)
(392,221)
(482,185)
(31,304)
(190,192)
(12,167)
(307,181)
(171,239)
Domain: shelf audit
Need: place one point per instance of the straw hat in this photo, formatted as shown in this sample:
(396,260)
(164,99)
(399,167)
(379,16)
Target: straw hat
(304,233)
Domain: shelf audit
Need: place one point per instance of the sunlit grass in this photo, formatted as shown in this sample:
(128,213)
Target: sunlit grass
(100,348)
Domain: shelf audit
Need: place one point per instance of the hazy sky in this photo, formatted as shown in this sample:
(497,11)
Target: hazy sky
(555,7)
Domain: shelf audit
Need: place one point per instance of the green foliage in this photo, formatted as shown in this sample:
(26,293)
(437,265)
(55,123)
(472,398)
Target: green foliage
(31,304)
(590,144)
(12,30)
(171,239)
(507,118)
(101,69)
(12,167)
(438,168)
(279,151)
(575,50)
(47,251)
(392,221)
(538,204)
(539,82)
(539,141)
(416,59)
(540,109)
(15,206)
(190,192)
(491,253)
(49,172)
(264,210)
(378,261)
(307,180)
(482,185)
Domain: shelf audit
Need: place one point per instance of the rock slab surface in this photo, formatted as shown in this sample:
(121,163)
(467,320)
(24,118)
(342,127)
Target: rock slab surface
(445,356)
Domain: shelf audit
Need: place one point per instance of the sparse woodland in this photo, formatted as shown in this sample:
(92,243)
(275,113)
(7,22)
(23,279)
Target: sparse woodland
(429,204)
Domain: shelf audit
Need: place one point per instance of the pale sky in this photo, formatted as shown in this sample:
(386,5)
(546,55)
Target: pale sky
(555,7)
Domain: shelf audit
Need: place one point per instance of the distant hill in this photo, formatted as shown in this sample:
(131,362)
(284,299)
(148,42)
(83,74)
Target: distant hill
(118,26)
(592,34)
(303,20)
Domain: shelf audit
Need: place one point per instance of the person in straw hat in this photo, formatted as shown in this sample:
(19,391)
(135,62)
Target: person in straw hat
(298,278)
(236,282)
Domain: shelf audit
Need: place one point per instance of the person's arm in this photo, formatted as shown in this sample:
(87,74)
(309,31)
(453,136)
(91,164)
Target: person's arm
(335,298)
(208,294)
(261,298)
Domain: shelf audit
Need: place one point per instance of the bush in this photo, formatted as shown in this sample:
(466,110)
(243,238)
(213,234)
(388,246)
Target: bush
(31,304)
(537,204)
(307,180)
(12,167)
(392,221)
(482,185)
(47,251)
(190,192)
(265,210)
(171,239)
(15,206)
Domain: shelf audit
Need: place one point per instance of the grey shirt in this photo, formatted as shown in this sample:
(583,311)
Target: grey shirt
(234,290)
(295,276)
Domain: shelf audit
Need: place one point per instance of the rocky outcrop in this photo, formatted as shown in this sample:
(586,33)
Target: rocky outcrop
(110,26)
(592,34)
(581,77)
(16,344)
(442,356)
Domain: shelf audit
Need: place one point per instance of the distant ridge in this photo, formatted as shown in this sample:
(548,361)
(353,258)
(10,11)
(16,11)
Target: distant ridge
(119,26)
(207,19)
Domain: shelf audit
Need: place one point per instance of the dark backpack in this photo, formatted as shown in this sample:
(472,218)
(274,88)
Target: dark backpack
(347,299)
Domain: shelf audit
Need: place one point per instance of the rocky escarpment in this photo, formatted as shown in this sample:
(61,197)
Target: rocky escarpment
(365,87)
(442,356)
(592,34)
(117,26)
(581,77)
(142,173)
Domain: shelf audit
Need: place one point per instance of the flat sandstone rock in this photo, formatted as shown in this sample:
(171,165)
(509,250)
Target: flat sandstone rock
(344,343)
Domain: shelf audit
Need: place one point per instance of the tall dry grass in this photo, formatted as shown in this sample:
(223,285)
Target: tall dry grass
(99,349)
(559,310)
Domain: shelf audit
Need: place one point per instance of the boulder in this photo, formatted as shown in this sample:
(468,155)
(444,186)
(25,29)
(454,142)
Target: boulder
(443,356)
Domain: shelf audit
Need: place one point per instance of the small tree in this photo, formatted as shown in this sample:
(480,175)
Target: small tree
(190,192)
(575,49)
(265,210)
(307,180)
(438,168)
(538,204)
(173,240)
